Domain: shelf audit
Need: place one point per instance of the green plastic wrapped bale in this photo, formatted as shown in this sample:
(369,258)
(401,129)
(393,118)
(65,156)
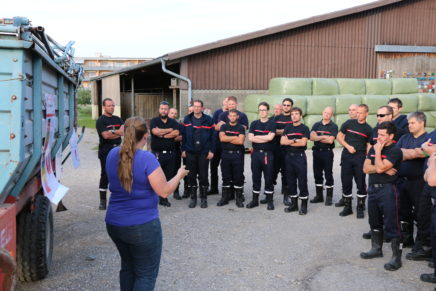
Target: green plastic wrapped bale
(427,102)
(429,129)
(252,101)
(378,87)
(410,102)
(316,104)
(299,101)
(310,120)
(431,119)
(404,85)
(372,120)
(374,102)
(252,116)
(324,87)
(351,86)
(290,86)
(340,119)
(344,101)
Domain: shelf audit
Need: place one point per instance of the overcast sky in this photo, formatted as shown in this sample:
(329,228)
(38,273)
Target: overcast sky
(138,28)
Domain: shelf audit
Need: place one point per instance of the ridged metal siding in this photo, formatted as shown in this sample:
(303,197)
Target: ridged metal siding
(338,48)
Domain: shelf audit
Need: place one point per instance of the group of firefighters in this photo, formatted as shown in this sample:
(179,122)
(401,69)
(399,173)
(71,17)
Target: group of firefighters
(398,155)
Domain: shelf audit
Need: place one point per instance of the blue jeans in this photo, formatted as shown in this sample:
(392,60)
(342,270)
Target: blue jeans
(140,248)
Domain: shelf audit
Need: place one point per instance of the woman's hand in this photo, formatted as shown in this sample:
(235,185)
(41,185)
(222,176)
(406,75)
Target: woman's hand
(182,171)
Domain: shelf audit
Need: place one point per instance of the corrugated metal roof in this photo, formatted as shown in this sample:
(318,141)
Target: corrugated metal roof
(280,28)
(254,35)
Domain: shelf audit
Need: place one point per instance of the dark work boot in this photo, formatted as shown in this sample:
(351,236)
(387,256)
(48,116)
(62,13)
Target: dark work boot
(418,253)
(203,196)
(177,194)
(395,262)
(239,193)
(264,200)
(232,193)
(407,234)
(254,202)
(270,201)
(329,196)
(225,196)
(164,202)
(286,195)
(366,235)
(340,203)
(376,245)
(360,208)
(103,200)
(186,193)
(348,210)
(294,205)
(429,278)
(303,208)
(193,195)
(319,195)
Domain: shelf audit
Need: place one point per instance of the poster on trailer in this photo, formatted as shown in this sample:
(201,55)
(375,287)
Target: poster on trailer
(52,188)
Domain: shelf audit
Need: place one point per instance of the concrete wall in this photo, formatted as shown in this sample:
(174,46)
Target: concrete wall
(213,98)
(111,89)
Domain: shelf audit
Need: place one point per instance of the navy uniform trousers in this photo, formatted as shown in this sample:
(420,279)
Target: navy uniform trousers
(323,163)
(296,170)
(352,167)
(167,161)
(383,209)
(232,168)
(415,205)
(262,162)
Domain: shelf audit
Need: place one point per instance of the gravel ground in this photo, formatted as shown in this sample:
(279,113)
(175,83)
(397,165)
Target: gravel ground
(222,248)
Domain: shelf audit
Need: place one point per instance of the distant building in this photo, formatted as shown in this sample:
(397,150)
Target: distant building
(100,65)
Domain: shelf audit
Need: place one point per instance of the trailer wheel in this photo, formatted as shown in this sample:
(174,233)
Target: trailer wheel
(35,240)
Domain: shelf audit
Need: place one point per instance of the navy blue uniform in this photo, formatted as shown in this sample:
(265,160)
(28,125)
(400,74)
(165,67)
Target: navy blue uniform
(356,135)
(232,165)
(281,122)
(164,148)
(215,162)
(296,161)
(262,157)
(198,140)
(383,194)
(323,154)
(402,123)
(412,185)
(106,123)
(242,120)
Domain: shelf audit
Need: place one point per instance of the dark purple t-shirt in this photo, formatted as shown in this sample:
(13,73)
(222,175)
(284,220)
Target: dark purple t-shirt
(139,206)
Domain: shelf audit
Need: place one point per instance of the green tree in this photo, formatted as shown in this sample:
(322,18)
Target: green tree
(84,96)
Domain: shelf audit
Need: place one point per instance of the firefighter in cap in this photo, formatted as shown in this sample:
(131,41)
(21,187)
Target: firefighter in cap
(110,129)
(261,134)
(323,133)
(354,136)
(382,163)
(164,131)
(295,137)
(232,136)
(198,146)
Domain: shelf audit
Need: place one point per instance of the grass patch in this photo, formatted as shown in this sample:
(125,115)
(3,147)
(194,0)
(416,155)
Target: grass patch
(84,117)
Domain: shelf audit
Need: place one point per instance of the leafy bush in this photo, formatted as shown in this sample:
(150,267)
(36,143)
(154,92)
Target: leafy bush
(84,96)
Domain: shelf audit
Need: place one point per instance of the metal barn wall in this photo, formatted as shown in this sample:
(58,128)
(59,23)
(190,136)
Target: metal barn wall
(341,47)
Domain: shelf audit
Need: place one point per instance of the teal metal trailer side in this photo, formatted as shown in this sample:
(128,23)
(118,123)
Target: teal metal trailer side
(32,67)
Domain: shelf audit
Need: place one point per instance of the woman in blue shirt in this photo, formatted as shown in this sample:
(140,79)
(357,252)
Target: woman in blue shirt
(132,219)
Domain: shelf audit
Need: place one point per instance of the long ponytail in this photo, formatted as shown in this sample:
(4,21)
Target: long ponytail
(134,130)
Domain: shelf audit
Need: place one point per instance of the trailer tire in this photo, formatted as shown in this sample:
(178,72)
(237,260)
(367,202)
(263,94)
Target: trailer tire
(35,240)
